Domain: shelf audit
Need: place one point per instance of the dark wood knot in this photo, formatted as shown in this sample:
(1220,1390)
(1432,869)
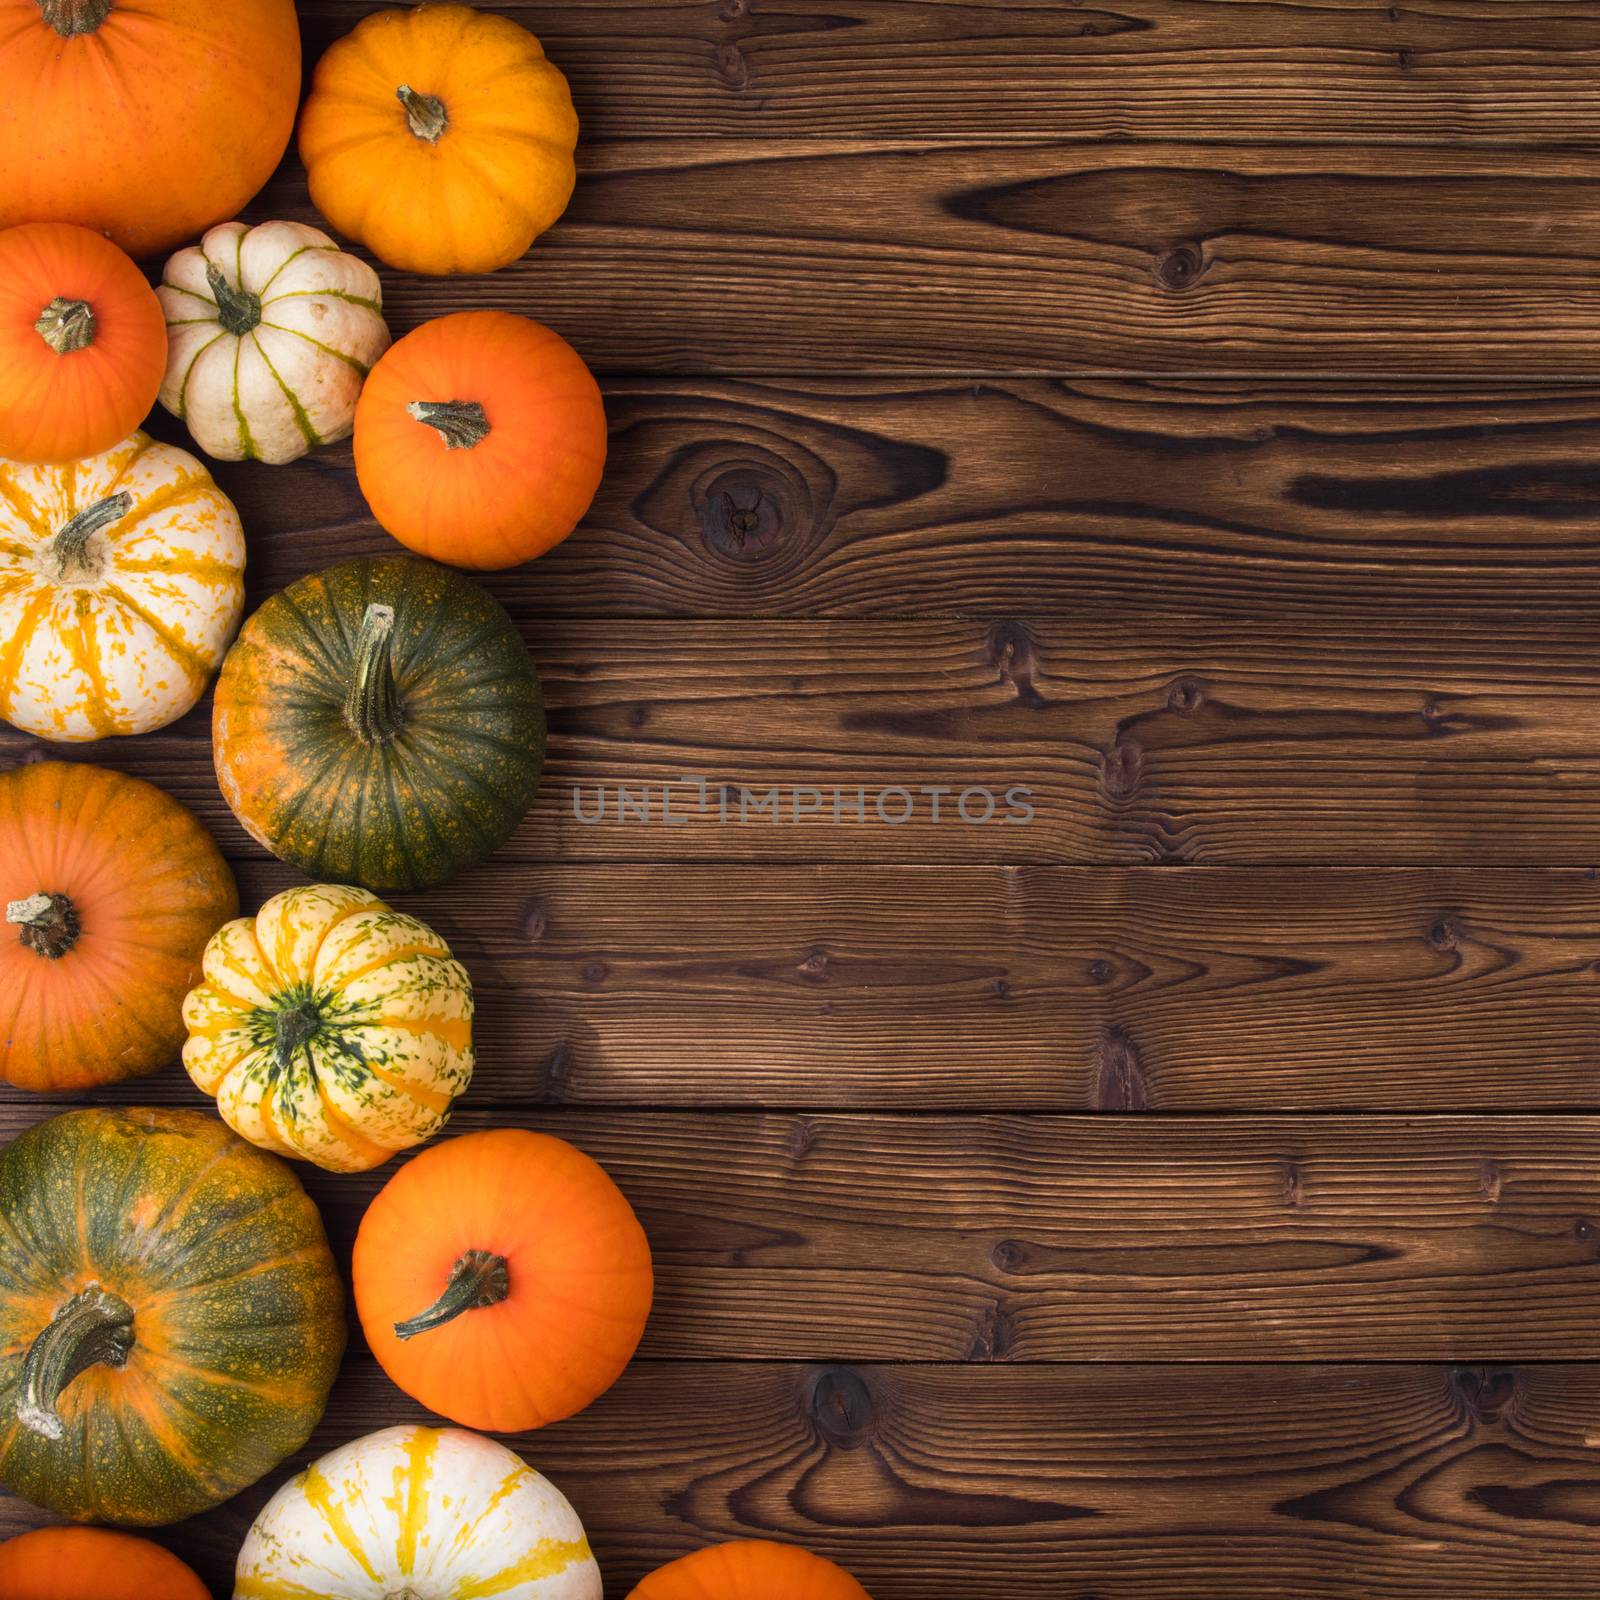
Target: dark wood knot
(1010,1255)
(1443,935)
(841,1408)
(743,515)
(595,972)
(1181,267)
(815,965)
(1485,1393)
(1100,971)
(1185,696)
(534,920)
(731,67)
(1119,774)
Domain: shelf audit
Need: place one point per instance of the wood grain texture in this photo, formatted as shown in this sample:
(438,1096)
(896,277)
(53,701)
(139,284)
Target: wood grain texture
(1029,988)
(1177,742)
(983,257)
(1046,1239)
(1456,71)
(883,497)
(1120,1482)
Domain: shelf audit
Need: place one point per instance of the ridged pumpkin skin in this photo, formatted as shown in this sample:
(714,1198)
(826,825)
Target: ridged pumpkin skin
(750,1569)
(192,1272)
(146,120)
(463,171)
(379,723)
(74,1563)
(480,439)
(273,330)
(502,1279)
(110,890)
(433,1513)
(330,1028)
(121,583)
(82,343)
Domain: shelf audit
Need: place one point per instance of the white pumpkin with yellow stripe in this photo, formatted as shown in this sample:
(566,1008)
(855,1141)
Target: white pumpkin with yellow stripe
(331,1028)
(423,1513)
(271,332)
(121,585)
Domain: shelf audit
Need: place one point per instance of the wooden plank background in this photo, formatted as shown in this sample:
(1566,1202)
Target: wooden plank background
(1187,411)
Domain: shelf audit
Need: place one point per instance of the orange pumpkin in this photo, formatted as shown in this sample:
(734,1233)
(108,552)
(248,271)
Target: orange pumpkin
(83,343)
(480,439)
(111,890)
(440,138)
(147,120)
(71,1563)
(750,1570)
(502,1279)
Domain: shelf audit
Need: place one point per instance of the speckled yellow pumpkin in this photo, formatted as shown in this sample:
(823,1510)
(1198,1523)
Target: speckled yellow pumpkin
(121,584)
(331,1028)
(424,1512)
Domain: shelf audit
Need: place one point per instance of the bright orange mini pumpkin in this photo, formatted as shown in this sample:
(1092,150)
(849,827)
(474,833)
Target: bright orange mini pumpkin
(480,439)
(83,343)
(71,1563)
(750,1570)
(110,891)
(440,138)
(502,1279)
(146,120)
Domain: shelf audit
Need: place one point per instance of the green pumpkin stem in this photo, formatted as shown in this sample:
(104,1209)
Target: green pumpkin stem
(70,548)
(237,309)
(372,707)
(425,113)
(49,924)
(66,325)
(69,17)
(92,1328)
(480,1278)
(295,1028)
(463,423)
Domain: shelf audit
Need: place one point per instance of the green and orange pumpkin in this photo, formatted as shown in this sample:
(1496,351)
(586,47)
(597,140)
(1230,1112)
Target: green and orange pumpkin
(170,1316)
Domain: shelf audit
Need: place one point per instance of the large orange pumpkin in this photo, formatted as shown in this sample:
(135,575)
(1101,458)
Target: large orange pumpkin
(750,1570)
(147,120)
(83,343)
(480,439)
(111,890)
(72,1563)
(440,138)
(502,1279)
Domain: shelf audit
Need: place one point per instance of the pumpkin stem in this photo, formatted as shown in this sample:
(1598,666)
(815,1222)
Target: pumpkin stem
(372,707)
(425,113)
(68,17)
(66,325)
(237,309)
(70,548)
(49,923)
(93,1327)
(464,423)
(480,1278)
(295,1028)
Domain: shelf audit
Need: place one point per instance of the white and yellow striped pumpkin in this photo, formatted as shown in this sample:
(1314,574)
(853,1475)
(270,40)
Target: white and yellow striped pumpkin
(427,1513)
(331,1028)
(121,585)
(271,332)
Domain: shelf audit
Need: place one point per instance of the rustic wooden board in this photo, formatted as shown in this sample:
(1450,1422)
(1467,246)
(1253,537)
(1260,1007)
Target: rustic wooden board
(892,498)
(992,256)
(1463,71)
(984,1238)
(1255,1482)
(1186,742)
(1032,988)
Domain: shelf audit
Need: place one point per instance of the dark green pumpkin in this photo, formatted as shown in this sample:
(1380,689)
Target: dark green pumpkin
(380,723)
(170,1316)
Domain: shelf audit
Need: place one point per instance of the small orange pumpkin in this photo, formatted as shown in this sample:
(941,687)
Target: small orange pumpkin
(440,138)
(146,120)
(110,891)
(480,439)
(83,343)
(502,1279)
(750,1569)
(70,1563)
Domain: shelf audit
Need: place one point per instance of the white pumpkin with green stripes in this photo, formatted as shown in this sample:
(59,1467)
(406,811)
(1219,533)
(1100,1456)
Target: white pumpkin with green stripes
(424,1513)
(271,332)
